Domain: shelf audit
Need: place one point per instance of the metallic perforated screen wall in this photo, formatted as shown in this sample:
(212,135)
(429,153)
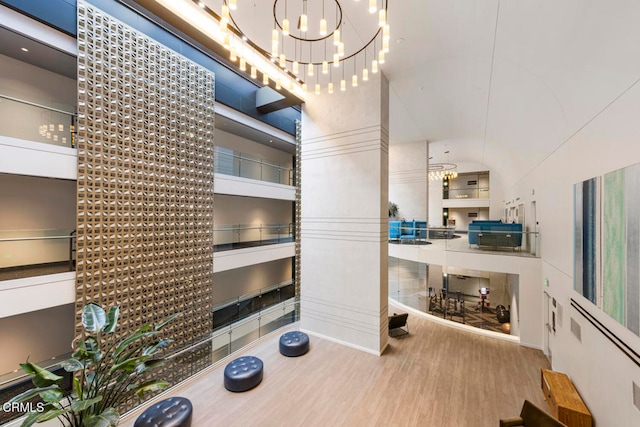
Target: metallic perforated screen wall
(145,182)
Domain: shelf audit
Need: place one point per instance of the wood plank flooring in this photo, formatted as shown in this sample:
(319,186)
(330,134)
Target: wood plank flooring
(435,376)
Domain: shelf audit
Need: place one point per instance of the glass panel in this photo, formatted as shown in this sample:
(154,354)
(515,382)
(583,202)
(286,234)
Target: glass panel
(230,162)
(33,122)
(29,253)
(481,237)
(235,236)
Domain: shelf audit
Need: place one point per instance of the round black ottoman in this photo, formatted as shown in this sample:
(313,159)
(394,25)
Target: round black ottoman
(171,412)
(294,343)
(243,373)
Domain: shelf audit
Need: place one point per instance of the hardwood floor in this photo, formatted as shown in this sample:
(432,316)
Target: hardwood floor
(435,376)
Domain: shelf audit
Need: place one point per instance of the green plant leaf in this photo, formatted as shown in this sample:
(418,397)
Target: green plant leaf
(72,365)
(93,317)
(77,387)
(127,365)
(163,323)
(149,365)
(138,335)
(53,395)
(31,419)
(26,395)
(154,348)
(41,377)
(112,320)
(149,386)
(81,405)
(108,418)
(51,413)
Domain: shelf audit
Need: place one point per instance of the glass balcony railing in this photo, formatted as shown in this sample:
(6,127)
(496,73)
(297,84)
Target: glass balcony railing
(503,239)
(34,122)
(238,236)
(29,253)
(243,306)
(230,162)
(466,193)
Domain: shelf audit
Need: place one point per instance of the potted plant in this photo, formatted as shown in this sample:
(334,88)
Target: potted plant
(393,210)
(106,373)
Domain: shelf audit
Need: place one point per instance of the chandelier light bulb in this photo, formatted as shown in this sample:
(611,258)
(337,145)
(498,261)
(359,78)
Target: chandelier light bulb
(224,16)
(283,61)
(343,85)
(254,72)
(365,74)
(336,60)
(373,6)
(227,41)
(330,88)
(233,5)
(325,67)
(296,68)
(310,70)
(265,79)
(341,49)
(223,26)
(385,45)
(278,84)
(381,57)
(243,64)
(317,88)
(233,56)
(354,80)
(382,17)
(336,37)
(303,23)
(304,87)
(386,30)
(285,27)
(274,36)
(323,27)
(374,66)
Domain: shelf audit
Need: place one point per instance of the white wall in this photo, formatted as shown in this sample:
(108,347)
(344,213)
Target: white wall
(462,216)
(250,211)
(39,336)
(408,181)
(233,283)
(608,141)
(27,82)
(35,207)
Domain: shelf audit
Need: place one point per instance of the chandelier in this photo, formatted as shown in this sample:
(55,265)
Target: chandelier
(440,171)
(315,44)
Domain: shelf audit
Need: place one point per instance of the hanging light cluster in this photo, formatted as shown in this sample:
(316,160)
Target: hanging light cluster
(440,171)
(308,45)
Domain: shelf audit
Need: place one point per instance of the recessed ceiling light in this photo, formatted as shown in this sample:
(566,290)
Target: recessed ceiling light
(24,49)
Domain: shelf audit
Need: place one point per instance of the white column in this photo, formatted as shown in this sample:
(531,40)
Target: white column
(408,181)
(344,223)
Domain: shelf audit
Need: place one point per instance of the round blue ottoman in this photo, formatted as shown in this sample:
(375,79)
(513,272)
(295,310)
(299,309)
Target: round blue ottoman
(294,343)
(171,412)
(243,373)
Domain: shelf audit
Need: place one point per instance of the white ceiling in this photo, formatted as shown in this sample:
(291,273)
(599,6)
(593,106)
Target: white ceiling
(506,82)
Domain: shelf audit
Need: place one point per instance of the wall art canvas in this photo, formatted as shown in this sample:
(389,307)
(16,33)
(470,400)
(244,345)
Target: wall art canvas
(586,238)
(621,246)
